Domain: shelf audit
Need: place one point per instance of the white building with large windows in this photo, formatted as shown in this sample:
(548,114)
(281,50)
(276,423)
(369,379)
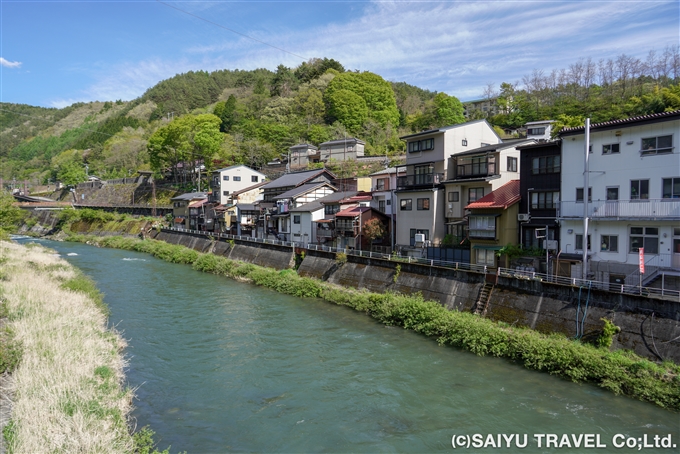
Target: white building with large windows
(633,198)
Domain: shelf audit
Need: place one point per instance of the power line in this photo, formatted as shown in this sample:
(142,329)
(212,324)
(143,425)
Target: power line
(231,30)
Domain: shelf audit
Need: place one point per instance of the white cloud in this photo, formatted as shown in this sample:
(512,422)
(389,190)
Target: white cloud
(10,64)
(453,47)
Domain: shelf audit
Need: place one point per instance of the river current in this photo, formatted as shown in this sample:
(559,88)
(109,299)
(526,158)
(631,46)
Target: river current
(223,366)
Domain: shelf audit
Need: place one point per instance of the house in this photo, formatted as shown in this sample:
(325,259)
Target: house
(475,173)
(383,185)
(300,195)
(540,175)
(232,217)
(232,179)
(314,222)
(349,227)
(492,223)
(539,130)
(420,193)
(347,149)
(632,201)
(180,208)
(268,206)
(301,155)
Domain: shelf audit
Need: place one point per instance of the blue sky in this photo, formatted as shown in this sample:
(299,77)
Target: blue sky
(54,53)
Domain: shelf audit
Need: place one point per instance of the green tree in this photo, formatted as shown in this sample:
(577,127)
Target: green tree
(284,82)
(376,93)
(10,215)
(316,67)
(226,112)
(71,173)
(348,108)
(448,110)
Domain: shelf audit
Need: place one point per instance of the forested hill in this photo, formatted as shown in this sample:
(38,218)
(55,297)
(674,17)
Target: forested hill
(251,117)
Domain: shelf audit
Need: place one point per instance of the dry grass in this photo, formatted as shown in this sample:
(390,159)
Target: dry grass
(68,394)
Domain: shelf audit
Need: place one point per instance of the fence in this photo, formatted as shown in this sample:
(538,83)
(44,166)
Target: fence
(483,269)
(575,282)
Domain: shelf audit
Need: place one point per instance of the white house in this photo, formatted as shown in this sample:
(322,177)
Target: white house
(539,130)
(231,179)
(313,222)
(294,198)
(383,185)
(420,194)
(633,198)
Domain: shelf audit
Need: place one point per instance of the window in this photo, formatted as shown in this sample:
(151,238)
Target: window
(237,178)
(296,219)
(657,145)
(610,148)
(464,142)
(225,177)
(512,164)
(380,184)
(613,193)
(421,145)
(424,174)
(253,179)
(485,257)
(639,189)
(423,204)
(645,237)
(331,209)
(480,165)
(536,131)
(405,204)
(579,194)
(545,164)
(482,226)
(454,196)
(225,192)
(381,205)
(579,242)
(610,243)
(475,194)
(389,202)
(671,188)
(544,200)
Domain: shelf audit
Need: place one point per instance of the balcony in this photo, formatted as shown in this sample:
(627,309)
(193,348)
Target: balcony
(649,209)
(482,170)
(325,233)
(420,180)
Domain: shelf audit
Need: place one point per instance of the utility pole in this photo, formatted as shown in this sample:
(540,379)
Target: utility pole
(585,202)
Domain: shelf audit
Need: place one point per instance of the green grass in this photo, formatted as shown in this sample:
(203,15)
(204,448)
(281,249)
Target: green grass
(620,372)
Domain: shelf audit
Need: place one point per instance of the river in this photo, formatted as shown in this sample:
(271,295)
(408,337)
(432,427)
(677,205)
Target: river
(223,366)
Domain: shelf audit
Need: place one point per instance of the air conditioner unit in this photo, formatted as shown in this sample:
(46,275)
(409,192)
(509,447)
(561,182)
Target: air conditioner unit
(523,217)
(420,238)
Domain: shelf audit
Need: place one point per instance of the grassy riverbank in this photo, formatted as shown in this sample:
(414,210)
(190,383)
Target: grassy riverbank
(621,372)
(67,382)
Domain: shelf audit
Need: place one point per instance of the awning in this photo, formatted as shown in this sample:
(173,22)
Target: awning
(324,220)
(485,247)
(461,222)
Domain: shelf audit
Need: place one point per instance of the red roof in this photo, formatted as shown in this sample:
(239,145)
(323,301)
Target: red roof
(503,197)
(351,212)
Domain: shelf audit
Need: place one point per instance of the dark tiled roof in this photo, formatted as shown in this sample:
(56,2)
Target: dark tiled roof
(319,203)
(300,190)
(651,118)
(503,197)
(296,178)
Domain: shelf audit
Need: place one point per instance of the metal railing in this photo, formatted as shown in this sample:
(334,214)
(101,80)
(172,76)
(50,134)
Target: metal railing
(575,282)
(420,180)
(628,209)
(482,269)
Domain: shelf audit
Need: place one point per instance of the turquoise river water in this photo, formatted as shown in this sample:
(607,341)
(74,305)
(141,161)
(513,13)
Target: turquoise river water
(222,366)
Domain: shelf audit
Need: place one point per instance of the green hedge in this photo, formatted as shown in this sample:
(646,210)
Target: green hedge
(621,372)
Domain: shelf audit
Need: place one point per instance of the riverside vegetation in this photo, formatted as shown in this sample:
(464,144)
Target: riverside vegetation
(66,367)
(621,372)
